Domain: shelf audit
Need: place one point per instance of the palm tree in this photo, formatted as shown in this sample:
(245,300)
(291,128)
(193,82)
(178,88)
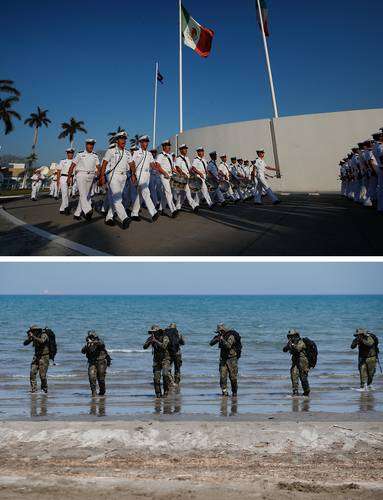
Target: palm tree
(37,120)
(135,141)
(7,113)
(7,87)
(70,130)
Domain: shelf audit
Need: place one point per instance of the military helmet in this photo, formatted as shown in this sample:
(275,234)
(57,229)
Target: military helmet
(33,327)
(293,333)
(154,328)
(172,325)
(221,327)
(361,331)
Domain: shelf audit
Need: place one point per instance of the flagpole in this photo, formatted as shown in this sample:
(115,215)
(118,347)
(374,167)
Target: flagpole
(155,106)
(180,68)
(276,115)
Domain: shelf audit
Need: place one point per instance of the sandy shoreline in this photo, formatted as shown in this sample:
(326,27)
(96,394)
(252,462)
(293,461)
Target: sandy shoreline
(192,459)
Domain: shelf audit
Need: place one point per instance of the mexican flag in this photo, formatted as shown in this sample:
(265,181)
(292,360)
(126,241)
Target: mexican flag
(195,36)
(265,16)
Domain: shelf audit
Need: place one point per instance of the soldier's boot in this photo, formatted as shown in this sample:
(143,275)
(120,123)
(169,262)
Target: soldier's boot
(102,389)
(224,392)
(295,392)
(234,388)
(44,385)
(305,387)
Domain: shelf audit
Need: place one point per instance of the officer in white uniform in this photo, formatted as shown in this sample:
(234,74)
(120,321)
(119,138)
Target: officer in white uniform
(143,162)
(235,178)
(35,184)
(261,178)
(241,175)
(183,166)
(165,169)
(224,174)
(114,173)
(63,171)
(199,167)
(212,169)
(86,164)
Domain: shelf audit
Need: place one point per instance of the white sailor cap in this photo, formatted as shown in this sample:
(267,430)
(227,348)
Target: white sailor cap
(260,151)
(121,135)
(90,141)
(200,148)
(70,150)
(166,143)
(144,138)
(223,155)
(183,146)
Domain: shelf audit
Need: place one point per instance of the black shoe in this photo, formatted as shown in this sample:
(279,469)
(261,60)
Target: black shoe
(76,217)
(110,222)
(155,217)
(125,223)
(174,214)
(160,212)
(67,211)
(89,215)
(196,210)
(212,207)
(136,218)
(62,212)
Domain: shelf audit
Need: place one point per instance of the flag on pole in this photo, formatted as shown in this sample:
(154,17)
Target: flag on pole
(160,78)
(265,16)
(196,36)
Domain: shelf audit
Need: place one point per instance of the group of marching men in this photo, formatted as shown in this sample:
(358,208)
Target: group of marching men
(162,182)
(361,173)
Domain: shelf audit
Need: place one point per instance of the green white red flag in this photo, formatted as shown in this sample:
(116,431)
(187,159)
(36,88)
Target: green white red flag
(265,16)
(194,35)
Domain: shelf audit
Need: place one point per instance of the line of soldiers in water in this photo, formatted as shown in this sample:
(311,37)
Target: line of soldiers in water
(166,346)
(163,182)
(361,173)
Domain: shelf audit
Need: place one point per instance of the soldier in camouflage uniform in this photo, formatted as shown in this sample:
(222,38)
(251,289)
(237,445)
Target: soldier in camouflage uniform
(159,342)
(98,361)
(228,361)
(299,362)
(176,353)
(40,361)
(368,355)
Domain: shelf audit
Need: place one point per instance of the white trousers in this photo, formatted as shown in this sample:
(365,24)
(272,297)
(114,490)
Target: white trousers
(64,193)
(155,188)
(116,185)
(263,184)
(34,190)
(204,193)
(84,185)
(185,194)
(143,193)
(167,195)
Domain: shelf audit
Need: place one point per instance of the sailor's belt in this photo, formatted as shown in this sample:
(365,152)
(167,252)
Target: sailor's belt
(63,175)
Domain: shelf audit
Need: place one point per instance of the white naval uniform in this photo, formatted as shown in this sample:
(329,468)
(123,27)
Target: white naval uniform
(165,161)
(54,188)
(262,183)
(63,167)
(116,173)
(35,186)
(234,173)
(183,163)
(213,170)
(86,167)
(224,170)
(155,187)
(143,160)
(378,153)
(199,164)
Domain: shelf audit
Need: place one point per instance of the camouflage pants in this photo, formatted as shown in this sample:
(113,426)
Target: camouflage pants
(97,373)
(177,361)
(229,367)
(367,369)
(39,365)
(161,368)
(300,372)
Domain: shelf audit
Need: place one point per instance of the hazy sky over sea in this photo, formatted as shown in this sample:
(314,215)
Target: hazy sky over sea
(95,61)
(191,278)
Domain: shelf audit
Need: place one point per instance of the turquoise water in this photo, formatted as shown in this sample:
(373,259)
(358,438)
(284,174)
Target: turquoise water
(122,321)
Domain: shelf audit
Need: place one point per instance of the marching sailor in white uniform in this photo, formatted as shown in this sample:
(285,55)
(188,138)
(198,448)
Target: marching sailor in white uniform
(224,174)
(63,171)
(165,168)
(261,178)
(199,168)
(35,185)
(86,164)
(183,166)
(143,162)
(235,178)
(114,172)
(212,169)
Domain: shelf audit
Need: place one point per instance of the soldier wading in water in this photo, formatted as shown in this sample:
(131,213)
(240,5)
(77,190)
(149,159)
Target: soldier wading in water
(229,342)
(98,361)
(303,357)
(176,340)
(367,344)
(159,342)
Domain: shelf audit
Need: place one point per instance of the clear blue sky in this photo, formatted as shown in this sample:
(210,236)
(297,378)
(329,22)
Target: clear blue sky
(191,278)
(95,60)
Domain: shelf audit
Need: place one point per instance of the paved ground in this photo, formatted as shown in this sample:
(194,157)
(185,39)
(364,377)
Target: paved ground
(303,225)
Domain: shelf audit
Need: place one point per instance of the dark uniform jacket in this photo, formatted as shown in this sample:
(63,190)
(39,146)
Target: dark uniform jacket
(40,343)
(366,345)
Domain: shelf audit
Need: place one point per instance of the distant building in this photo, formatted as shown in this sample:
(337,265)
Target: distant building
(16,170)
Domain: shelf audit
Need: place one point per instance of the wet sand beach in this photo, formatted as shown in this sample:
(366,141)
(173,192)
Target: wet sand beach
(314,456)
